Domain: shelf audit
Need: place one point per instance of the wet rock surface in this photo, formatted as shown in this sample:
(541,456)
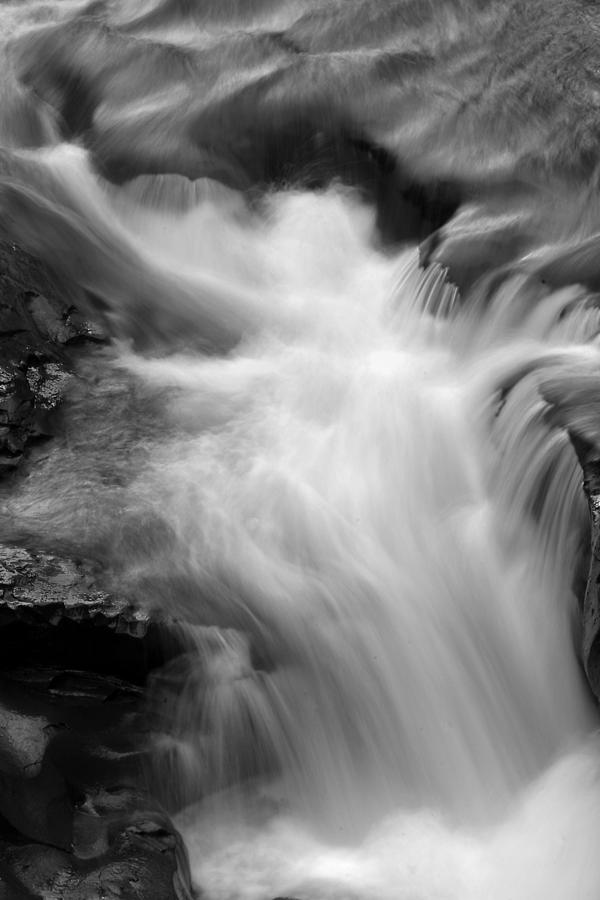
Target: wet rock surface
(76,819)
(589,458)
(40,329)
(42,587)
(54,610)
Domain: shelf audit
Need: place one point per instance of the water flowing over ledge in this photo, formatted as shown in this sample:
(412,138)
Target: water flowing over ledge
(346,257)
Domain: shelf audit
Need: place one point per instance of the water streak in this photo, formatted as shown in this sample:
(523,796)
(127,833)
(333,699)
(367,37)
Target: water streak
(354,485)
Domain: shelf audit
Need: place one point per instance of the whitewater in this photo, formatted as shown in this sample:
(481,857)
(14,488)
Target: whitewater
(331,436)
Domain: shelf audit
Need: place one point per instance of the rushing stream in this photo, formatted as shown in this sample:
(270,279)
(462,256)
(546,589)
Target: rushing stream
(352,481)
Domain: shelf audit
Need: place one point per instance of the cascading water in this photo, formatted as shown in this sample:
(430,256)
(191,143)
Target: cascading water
(358,491)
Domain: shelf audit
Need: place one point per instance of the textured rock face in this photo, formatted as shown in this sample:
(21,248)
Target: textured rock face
(54,610)
(41,588)
(39,331)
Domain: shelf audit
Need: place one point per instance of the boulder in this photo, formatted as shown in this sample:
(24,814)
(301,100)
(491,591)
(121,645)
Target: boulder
(76,819)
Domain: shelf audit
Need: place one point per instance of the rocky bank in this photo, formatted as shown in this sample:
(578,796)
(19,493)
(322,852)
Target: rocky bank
(76,818)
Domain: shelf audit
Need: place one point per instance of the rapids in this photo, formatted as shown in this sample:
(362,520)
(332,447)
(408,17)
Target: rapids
(351,481)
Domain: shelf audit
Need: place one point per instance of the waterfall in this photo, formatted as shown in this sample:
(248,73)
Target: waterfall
(351,483)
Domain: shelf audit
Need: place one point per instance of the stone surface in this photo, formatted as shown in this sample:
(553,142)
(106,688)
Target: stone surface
(42,587)
(76,819)
(83,826)
(39,328)
(40,807)
(23,741)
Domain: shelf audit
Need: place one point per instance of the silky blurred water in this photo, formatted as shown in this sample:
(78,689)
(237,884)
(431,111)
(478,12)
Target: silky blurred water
(353,484)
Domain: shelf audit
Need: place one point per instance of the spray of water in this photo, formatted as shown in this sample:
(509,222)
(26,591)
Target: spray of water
(354,487)
(368,511)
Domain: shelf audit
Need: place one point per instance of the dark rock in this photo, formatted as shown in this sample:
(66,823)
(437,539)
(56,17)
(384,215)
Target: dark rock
(76,819)
(34,871)
(38,324)
(48,588)
(39,807)
(23,742)
(55,609)
(83,826)
(590,646)
(132,870)
(71,776)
